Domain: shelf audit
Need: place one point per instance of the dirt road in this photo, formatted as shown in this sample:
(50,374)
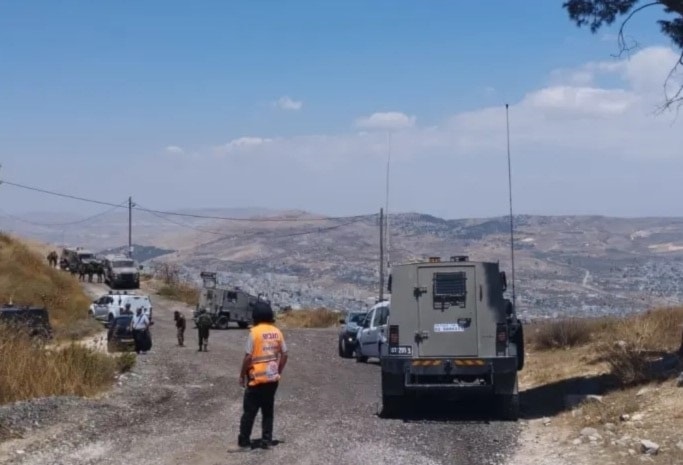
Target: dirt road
(179,406)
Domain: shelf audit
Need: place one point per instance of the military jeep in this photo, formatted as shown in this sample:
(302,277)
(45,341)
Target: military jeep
(451,332)
(226,304)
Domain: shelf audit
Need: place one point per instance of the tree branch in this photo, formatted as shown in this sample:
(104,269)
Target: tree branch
(677,98)
(623,48)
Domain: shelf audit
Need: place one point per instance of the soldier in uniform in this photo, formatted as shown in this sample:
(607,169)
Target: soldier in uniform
(90,271)
(81,271)
(52,259)
(180,327)
(204,323)
(99,270)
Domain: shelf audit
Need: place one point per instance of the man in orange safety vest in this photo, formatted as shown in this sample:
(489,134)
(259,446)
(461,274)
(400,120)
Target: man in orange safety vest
(264,360)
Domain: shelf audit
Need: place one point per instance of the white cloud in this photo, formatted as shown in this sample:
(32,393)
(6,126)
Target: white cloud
(243,143)
(286,103)
(387,120)
(174,149)
(589,144)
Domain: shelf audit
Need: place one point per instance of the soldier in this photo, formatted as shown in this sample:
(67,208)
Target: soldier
(52,259)
(81,271)
(99,269)
(90,270)
(204,323)
(180,327)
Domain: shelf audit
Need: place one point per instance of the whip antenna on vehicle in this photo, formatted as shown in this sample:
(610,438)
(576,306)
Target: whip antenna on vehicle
(512,235)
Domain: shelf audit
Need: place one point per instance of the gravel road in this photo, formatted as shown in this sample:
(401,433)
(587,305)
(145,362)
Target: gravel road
(179,406)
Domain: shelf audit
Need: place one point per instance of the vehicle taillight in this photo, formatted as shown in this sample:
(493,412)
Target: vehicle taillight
(393,335)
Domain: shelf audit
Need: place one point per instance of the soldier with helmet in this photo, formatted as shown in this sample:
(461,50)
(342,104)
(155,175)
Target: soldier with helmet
(204,323)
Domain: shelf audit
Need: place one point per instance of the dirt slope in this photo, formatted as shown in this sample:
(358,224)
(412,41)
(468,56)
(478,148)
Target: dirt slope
(179,406)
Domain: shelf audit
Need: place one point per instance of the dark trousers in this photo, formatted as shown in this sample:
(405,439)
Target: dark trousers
(138,339)
(258,397)
(203,337)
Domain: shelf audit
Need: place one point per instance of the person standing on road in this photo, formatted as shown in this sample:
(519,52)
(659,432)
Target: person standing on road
(204,323)
(140,329)
(180,327)
(262,367)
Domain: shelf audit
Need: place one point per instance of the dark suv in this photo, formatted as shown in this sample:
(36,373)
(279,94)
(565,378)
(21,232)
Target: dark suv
(34,320)
(119,335)
(347,332)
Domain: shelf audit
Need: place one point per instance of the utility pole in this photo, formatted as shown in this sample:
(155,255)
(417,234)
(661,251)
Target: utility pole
(381,254)
(130,227)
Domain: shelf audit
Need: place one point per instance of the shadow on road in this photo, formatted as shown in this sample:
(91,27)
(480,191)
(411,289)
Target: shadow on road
(559,396)
(467,411)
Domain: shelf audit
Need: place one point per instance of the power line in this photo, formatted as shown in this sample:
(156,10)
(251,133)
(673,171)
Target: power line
(68,223)
(187,215)
(262,234)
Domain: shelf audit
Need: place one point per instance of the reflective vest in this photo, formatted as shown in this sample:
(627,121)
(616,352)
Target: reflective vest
(267,344)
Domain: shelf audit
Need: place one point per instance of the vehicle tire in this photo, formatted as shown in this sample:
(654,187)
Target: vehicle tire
(110,319)
(223,322)
(360,358)
(508,406)
(391,406)
(242,324)
(340,349)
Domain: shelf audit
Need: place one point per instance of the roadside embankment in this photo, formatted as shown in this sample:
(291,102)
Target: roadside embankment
(604,390)
(30,368)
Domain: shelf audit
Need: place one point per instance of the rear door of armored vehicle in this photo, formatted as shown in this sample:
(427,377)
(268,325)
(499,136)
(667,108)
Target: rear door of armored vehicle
(447,311)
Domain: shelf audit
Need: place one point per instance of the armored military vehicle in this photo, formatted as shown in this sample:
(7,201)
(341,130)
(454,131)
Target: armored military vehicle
(226,304)
(451,332)
(73,258)
(121,272)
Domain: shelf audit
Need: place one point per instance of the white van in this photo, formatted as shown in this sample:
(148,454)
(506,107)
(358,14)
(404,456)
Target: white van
(109,306)
(371,339)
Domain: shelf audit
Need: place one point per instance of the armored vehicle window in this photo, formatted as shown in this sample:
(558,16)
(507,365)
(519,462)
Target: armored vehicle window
(232,296)
(449,289)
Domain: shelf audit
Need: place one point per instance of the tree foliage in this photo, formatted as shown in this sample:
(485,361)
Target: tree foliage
(598,13)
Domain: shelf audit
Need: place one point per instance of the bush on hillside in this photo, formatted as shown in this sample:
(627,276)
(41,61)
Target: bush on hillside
(309,318)
(29,370)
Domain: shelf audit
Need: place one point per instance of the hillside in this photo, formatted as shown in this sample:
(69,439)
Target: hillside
(588,265)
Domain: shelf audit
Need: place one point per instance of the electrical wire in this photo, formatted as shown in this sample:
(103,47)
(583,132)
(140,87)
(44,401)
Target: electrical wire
(263,234)
(187,215)
(69,223)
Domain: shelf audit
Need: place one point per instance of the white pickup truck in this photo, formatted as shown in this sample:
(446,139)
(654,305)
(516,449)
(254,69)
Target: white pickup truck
(109,306)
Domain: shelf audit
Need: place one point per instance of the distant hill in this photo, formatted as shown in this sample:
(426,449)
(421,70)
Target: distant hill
(564,264)
(141,253)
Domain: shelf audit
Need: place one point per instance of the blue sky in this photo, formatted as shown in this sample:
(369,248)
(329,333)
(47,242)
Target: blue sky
(139,97)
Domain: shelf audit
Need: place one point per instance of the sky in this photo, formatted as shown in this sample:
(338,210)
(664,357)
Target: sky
(299,104)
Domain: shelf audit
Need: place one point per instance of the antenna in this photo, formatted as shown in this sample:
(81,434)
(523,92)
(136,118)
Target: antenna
(386,209)
(512,236)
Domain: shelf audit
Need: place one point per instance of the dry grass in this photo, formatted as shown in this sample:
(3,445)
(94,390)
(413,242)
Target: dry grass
(181,292)
(26,279)
(635,343)
(28,370)
(309,318)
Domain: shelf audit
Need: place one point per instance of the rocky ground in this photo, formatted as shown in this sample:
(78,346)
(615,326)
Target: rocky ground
(178,406)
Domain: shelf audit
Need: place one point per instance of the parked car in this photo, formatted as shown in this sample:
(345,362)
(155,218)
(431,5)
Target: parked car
(108,306)
(371,337)
(347,333)
(120,335)
(35,320)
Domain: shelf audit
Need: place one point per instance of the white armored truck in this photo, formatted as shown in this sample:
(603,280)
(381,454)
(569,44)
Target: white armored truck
(451,332)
